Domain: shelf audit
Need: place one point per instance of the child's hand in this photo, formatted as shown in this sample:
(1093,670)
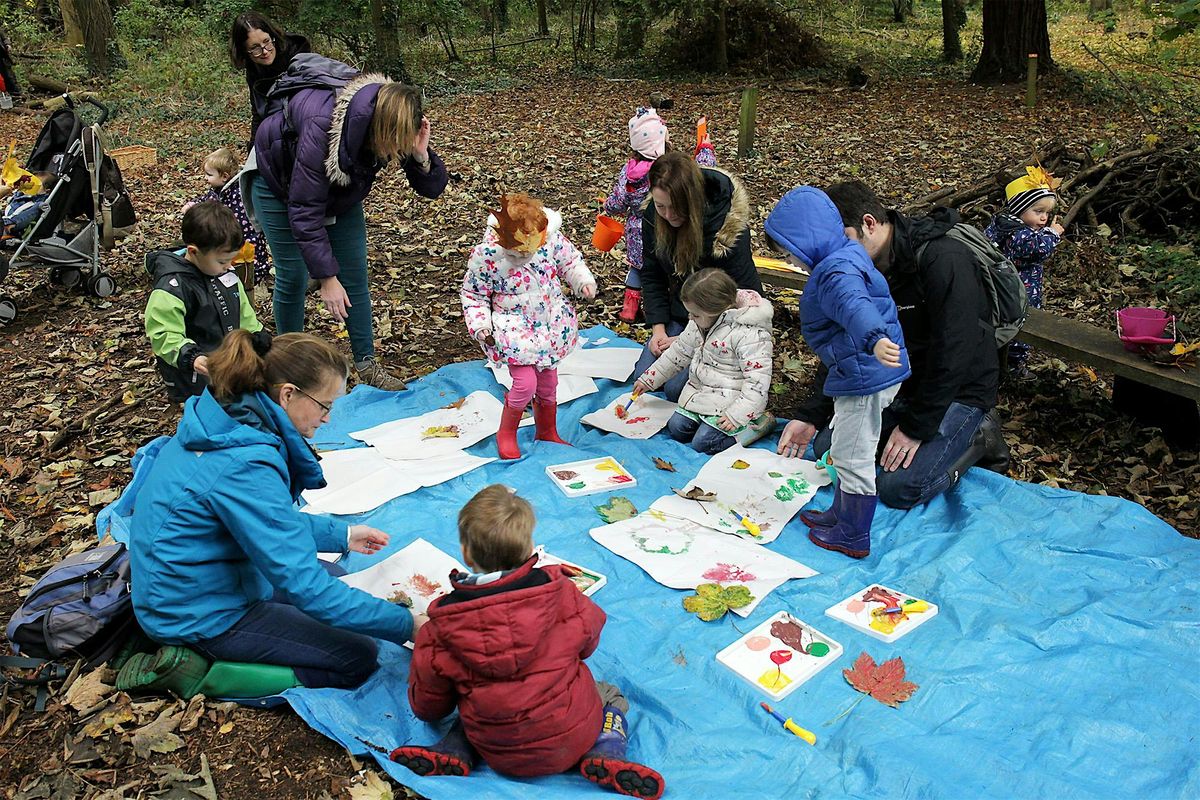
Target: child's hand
(887,352)
(486,337)
(588,292)
(726,424)
(642,386)
(367,540)
(419,620)
(186,206)
(200,365)
(1056,226)
(659,342)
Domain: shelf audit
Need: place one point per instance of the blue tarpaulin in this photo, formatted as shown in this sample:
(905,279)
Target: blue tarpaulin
(1063,662)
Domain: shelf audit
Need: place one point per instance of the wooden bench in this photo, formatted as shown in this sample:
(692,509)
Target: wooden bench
(1068,339)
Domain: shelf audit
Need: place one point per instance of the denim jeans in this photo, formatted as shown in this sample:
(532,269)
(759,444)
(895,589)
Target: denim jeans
(347,237)
(278,633)
(929,473)
(675,385)
(702,437)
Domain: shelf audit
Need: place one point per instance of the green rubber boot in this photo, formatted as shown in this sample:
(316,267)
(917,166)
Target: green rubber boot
(186,673)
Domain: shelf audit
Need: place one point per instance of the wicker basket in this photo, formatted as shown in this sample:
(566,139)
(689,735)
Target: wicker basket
(135,155)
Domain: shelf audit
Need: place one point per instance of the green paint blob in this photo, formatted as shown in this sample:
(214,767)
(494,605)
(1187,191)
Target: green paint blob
(576,485)
(783,494)
(775,474)
(818,649)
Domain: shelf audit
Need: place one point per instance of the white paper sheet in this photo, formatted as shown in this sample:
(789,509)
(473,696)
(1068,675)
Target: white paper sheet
(682,555)
(420,570)
(411,438)
(613,363)
(647,416)
(770,490)
(570,387)
(361,478)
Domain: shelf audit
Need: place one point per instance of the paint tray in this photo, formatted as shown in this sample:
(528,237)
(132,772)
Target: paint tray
(592,476)
(867,610)
(779,655)
(588,580)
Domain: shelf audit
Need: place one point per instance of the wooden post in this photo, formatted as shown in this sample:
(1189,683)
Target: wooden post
(1031,81)
(746,121)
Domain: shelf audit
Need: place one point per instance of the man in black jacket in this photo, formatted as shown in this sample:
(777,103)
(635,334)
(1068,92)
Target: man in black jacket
(942,421)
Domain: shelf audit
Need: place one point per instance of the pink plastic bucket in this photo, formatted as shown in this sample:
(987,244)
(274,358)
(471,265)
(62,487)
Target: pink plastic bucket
(1139,326)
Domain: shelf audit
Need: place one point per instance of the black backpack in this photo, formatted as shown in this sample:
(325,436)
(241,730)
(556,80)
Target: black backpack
(1006,294)
(307,71)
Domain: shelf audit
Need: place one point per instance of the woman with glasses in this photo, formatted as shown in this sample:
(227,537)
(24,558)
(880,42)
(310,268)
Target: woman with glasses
(225,569)
(261,49)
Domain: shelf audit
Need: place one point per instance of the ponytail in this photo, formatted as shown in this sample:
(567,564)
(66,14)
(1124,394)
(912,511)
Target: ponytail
(247,362)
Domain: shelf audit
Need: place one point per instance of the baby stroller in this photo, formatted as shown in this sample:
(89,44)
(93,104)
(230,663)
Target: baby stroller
(87,208)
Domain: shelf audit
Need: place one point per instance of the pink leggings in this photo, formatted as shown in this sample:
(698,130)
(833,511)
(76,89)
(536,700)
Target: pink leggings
(526,379)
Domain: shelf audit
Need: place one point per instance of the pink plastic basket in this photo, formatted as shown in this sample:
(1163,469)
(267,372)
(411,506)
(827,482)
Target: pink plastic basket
(1142,328)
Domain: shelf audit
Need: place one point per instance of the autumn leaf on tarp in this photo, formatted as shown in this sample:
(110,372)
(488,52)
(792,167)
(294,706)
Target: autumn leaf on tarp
(696,493)
(616,509)
(663,464)
(740,464)
(456,404)
(885,682)
(711,600)
(440,432)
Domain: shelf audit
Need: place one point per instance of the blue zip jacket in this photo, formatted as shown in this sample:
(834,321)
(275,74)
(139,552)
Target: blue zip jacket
(846,307)
(215,529)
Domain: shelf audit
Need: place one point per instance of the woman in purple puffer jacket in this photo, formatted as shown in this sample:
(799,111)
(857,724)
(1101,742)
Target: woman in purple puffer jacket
(317,159)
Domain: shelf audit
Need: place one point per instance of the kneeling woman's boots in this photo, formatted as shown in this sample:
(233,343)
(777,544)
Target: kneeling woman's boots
(185,673)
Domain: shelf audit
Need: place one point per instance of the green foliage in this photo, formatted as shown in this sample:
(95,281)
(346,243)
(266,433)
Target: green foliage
(1185,19)
(711,600)
(616,509)
(1174,271)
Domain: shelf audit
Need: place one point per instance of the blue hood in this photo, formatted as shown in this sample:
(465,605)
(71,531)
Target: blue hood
(807,223)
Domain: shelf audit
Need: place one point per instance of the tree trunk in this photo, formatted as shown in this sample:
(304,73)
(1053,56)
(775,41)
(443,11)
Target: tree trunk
(1012,29)
(721,51)
(89,23)
(631,25)
(385,55)
(543,21)
(501,12)
(954,16)
(901,9)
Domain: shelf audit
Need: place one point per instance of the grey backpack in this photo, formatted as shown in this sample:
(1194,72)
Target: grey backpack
(1006,295)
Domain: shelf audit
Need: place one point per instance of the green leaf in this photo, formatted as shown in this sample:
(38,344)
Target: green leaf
(616,509)
(711,600)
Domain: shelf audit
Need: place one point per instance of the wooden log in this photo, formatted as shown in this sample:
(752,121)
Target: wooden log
(746,121)
(47,84)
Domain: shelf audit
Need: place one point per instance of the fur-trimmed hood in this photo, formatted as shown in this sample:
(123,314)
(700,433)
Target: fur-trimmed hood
(350,125)
(726,210)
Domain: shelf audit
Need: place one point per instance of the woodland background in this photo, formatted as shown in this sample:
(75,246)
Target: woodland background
(533,95)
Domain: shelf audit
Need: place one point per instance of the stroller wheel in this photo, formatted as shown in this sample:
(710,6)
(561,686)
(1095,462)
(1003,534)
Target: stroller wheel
(66,277)
(101,285)
(8,311)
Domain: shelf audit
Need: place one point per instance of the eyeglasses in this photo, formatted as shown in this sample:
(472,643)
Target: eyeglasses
(260,50)
(325,408)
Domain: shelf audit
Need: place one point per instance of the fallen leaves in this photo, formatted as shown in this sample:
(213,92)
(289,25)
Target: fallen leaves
(697,494)
(616,509)
(89,689)
(158,736)
(373,787)
(664,465)
(885,682)
(711,600)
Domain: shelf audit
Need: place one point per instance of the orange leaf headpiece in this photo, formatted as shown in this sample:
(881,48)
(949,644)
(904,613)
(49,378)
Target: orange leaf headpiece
(520,223)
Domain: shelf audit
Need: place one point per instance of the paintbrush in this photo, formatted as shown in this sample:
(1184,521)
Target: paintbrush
(621,411)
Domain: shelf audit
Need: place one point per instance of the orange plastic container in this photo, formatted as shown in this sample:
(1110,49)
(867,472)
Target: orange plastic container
(607,233)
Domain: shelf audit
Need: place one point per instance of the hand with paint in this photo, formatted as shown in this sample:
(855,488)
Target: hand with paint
(366,540)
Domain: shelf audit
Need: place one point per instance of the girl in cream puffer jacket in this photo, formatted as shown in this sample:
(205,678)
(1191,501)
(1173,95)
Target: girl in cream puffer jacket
(726,348)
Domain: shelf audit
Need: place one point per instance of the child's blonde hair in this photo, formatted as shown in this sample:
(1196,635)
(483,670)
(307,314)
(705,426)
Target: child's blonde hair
(710,290)
(223,161)
(495,527)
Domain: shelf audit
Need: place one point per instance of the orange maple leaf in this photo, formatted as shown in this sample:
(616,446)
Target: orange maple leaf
(885,682)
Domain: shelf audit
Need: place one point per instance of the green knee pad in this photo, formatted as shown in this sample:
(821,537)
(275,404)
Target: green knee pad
(240,679)
(185,673)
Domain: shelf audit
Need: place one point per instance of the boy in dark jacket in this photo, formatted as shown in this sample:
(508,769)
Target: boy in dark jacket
(196,299)
(850,321)
(506,647)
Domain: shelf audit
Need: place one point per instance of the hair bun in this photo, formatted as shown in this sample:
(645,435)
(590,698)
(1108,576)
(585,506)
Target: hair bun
(261,341)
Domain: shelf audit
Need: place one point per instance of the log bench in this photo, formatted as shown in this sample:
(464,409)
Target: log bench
(1165,397)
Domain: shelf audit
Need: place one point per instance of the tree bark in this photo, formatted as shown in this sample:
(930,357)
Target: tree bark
(954,16)
(1012,29)
(543,20)
(89,23)
(721,51)
(901,10)
(631,25)
(385,55)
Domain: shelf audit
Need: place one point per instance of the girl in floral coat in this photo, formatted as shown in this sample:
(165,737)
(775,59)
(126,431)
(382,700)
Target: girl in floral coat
(514,306)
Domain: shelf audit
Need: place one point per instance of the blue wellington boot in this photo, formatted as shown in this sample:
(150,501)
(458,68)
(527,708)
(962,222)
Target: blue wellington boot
(824,519)
(605,763)
(852,533)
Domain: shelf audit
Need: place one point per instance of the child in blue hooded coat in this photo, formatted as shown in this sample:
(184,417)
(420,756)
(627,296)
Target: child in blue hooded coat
(849,320)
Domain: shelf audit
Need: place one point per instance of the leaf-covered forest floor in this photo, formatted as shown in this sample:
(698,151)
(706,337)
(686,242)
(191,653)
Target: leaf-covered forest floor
(80,365)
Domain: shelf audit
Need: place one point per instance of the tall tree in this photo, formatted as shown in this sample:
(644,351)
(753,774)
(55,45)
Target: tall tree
(954,17)
(901,10)
(543,21)
(631,25)
(1012,29)
(89,24)
(721,49)
(385,55)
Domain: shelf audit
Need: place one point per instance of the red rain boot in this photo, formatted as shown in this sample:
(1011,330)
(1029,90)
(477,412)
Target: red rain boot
(545,416)
(631,306)
(506,437)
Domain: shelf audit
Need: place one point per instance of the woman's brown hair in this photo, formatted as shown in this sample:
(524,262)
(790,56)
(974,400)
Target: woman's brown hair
(396,120)
(710,290)
(252,21)
(247,362)
(680,177)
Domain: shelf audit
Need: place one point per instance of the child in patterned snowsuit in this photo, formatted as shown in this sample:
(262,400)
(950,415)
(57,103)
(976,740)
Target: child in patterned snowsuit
(219,168)
(514,307)
(1025,233)
(648,141)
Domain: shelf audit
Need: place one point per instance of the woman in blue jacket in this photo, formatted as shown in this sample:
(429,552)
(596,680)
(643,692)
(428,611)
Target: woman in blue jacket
(225,567)
(848,318)
(317,159)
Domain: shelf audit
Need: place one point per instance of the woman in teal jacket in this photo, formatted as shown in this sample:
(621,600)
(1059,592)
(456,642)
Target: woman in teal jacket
(225,567)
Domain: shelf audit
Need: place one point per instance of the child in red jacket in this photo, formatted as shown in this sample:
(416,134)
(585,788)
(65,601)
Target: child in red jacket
(506,647)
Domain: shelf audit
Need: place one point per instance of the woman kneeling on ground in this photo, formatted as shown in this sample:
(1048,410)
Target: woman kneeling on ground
(225,566)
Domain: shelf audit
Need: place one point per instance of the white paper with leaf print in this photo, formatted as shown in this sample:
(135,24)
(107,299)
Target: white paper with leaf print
(613,363)
(362,478)
(420,571)
(570,387)
(425,436)
(766,487)
(682,555)
(647,416)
